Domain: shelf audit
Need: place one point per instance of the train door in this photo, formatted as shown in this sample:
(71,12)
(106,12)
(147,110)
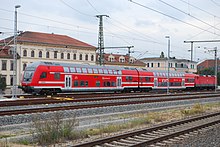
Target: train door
(68,81)
(183,82)
(118,82)
(155,82)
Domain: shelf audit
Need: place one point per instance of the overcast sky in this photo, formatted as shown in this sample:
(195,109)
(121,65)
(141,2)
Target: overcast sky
(140,23)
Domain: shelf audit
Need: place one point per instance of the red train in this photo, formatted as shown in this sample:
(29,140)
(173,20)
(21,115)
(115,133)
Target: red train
(52,77)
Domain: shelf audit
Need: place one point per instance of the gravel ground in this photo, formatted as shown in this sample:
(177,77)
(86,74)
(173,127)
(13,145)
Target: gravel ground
(90,118)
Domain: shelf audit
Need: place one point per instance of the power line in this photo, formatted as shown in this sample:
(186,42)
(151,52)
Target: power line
(188,14)
(215,3)
(172,17)
(92,6)
(75,9)
(199,8)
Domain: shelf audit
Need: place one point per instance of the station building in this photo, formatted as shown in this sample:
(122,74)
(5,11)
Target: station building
(181,65)
(36,46)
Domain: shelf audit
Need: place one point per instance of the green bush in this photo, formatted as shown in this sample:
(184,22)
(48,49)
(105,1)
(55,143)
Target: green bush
(53,131)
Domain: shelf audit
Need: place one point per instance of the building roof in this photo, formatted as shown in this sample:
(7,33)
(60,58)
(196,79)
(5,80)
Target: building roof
(117,62)
(4,52)
(45,38)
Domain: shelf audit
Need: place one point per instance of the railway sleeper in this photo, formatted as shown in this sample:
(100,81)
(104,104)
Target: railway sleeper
(109,145)
(127,141)
(120,143)
(134,139)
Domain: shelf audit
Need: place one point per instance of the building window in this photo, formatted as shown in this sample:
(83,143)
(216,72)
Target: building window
(74,56)
(47,54)
(170,64)
(4,64)
(158,64)
(148,64)
(12,65)
(86,57)
(32,53)
(175,64)
(68,55)
(25,53)
(92,57)
(55,54)
(80,57)
(62,55)
(24,66)
(40,54)
(11,80)
(152,64)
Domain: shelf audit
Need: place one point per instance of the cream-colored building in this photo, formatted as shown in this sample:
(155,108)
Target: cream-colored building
(181,65)
(35,46)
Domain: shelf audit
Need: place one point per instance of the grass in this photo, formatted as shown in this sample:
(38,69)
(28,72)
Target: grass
(56,130)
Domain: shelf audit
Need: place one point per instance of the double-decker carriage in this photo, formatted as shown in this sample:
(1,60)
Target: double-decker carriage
(53,77)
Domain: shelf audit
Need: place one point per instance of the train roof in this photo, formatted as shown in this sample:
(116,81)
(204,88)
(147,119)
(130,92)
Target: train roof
(36,64)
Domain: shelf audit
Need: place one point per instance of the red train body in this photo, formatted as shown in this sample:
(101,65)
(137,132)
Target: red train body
(51,77)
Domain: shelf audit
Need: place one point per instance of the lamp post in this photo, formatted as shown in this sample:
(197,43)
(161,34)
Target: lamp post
(168,64)
(216,68)
(14,93)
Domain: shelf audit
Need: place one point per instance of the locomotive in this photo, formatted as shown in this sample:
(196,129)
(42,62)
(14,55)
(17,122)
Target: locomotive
(53,77)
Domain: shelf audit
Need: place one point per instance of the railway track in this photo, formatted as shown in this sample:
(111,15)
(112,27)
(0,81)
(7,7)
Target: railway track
(71,98)
(109,103)
(159,135)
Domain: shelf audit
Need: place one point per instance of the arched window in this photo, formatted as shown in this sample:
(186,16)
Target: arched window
(74,56)
(62,55)
(47,54)
(24,66)
(25,53)
(40,54)
(11,80)
(92,57)
(55,54)
(80,56)
(86,57)
(32,53)
(68,55)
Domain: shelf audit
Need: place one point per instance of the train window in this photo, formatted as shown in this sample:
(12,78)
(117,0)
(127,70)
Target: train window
(128,78)
(86,83)
(90,70)
(97,83)
(57,76)
(113,84)
(108,84)
(43,75)
(72,69)
(66,69)
(82,83)
(76,83)
(104,84)
(95,70)
(84,70)
(105,71)
(100,71)
(147,79)
(78,70)
(110,71)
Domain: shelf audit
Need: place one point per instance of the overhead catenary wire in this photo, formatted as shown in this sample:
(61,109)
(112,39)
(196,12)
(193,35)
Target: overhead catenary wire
(188,14)
(195,26)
